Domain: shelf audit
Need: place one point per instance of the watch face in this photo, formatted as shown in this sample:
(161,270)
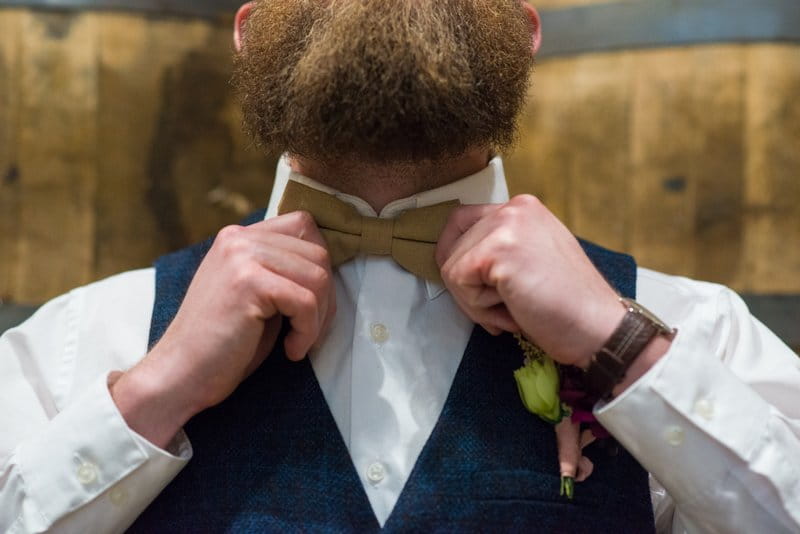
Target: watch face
(638,308)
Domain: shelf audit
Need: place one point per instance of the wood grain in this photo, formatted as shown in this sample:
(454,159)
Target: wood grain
(9,143)
(772,170)
(179,168)
(575,140)
(120,140)
(686,161)
(687,158)
(57,153)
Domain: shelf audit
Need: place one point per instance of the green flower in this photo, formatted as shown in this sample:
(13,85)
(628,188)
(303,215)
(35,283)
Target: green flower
(537,382)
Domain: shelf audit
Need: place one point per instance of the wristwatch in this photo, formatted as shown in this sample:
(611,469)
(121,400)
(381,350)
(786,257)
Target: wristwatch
(634,333)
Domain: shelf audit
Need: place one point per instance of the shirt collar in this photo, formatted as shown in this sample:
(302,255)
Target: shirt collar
(487,186)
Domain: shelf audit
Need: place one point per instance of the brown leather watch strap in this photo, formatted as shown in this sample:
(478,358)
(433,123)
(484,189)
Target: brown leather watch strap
(610,364)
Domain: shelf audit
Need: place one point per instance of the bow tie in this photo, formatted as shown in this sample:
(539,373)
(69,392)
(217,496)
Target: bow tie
(410,238)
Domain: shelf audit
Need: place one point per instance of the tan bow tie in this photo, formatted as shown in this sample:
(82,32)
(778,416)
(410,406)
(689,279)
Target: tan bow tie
(410,238)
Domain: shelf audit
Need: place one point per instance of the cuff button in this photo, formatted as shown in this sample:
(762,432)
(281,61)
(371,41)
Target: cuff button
(705,409)
(674,435)
(87,473)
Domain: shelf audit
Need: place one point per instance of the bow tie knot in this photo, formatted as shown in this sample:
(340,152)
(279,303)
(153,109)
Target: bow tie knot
(410,238)
(377,236)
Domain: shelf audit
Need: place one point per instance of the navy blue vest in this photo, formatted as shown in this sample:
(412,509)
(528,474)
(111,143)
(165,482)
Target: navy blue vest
(271,459)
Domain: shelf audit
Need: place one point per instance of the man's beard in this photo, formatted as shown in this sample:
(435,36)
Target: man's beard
(388,81)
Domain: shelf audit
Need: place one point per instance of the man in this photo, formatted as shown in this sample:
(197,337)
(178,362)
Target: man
(403,416)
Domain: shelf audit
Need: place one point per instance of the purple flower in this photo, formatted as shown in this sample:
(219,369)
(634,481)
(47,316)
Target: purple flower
(573,394)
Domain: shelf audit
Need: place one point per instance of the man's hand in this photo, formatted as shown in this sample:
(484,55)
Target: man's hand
(515,267)
(230,320)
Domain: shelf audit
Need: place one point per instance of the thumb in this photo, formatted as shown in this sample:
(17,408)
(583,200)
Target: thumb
(459,223)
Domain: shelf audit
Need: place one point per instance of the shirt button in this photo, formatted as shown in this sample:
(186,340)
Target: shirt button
(705,409)
(674,435)
(379,333)
(118,496)
(87,473)
(376,472)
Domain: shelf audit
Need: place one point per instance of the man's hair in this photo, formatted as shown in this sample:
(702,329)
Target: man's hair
(386,81)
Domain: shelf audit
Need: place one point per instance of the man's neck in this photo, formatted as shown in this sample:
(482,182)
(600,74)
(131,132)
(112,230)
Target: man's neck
(381,184)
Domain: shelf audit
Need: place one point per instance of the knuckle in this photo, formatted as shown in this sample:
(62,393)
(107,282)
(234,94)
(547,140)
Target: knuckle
(446,272)
(243,276)
(229,232)
(307,301)
(440,258)
(320,278)
(526,201)
(303,219)
(229,240)
(320,255)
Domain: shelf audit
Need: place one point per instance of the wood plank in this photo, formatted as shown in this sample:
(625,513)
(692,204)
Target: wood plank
(683,109)
(540,161)
(772,166)
(574,146)
(132,78)
(9,169)
(718,164)
(599,146)
(58,141)
(180,167)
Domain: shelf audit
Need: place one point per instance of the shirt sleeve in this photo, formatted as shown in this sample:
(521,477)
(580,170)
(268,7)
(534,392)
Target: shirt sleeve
(717,420)
(68,461)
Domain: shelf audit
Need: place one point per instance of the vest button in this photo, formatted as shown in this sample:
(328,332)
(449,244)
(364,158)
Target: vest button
(376,472)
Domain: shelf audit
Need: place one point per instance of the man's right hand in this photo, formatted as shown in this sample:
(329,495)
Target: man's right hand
(229,322)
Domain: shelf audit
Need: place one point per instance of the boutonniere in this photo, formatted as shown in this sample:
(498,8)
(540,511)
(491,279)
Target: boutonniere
(553,392)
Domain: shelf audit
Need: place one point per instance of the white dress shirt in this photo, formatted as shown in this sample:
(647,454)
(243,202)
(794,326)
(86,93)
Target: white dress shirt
(716,421)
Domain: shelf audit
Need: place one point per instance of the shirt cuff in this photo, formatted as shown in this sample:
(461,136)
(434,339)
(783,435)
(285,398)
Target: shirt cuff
(693,423)
(85,450)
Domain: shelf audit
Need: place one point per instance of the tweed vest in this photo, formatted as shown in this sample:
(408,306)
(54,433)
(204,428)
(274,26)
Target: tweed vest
(271,459)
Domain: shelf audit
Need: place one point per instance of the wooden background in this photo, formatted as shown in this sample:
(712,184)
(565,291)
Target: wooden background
(120,140)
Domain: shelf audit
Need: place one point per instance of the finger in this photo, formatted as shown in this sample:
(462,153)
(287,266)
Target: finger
(585,468)
(308,273)
(282,242)
(494,319)
(486,297)
(500,317)
(299,304)
(493,330)
(329,315)
(464,273)
(298,224)
(459,223)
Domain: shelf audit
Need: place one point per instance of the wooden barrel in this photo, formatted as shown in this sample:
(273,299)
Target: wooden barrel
(120,139)
(686,156)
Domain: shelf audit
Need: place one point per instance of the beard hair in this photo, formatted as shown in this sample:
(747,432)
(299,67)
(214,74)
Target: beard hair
(383,82)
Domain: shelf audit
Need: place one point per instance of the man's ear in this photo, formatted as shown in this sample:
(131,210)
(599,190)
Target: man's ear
(536,22)
(239,23)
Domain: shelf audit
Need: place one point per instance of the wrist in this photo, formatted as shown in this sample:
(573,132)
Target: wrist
(150,403)
(604,322)
(654,351)
(637,343)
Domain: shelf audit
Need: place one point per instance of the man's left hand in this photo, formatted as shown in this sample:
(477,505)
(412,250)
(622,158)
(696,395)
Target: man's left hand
(515,267)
